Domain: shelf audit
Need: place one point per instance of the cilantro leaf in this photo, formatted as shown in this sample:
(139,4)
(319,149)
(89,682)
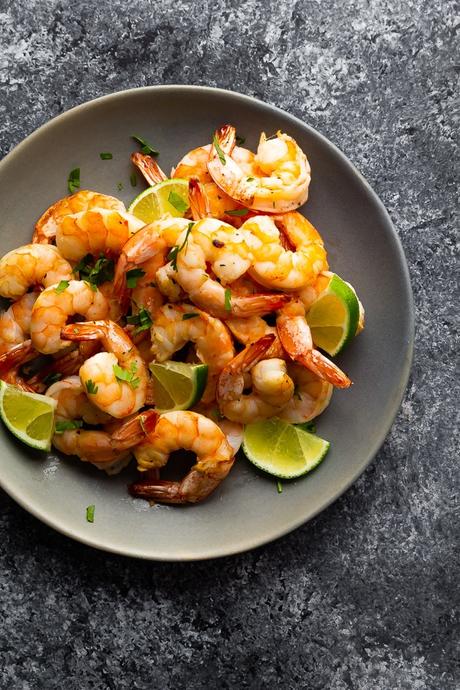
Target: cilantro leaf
(127,376)
(172,256)
(91,387)
(178,202)
(220,153)
(133,179)
(95,272)
(73,181)
(237,212)
(142,320)
(228,299)
(279,487)
(133,276)
(67,425)
(90,513)
(190,315)
(145,146)
(105,156)
(62,285)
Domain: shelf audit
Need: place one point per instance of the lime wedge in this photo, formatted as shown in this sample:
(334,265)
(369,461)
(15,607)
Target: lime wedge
(167,198)
(333,317)
(178,386)
(282,449)
(29,416)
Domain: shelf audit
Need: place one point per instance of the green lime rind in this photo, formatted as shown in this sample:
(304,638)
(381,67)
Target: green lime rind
(177,385)
(153,203)
(283,450)
(333,317)
(29,416)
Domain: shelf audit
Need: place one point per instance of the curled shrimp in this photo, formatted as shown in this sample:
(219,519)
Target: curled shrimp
(15,321)
(272,388)
(53,308)
(73,402)
(84,200)
(115,379)
(277,181)
(311,395)
(96,231)
(31,265)
(188,431)
(283,269)
(295,337)
(12,361)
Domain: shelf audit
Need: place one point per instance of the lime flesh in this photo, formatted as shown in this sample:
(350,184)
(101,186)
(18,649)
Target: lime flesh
(167,198)
(29,416)
(178,386)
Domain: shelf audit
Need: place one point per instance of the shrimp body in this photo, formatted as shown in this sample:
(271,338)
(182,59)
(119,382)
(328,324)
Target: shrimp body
(73,402)
(30,265)
(11,362)
(15,322)
(277,181)
(312,395)
(282,269)
(53,308)
(188,431)
(96,231)
(296,339)
(84,200)
(119,393)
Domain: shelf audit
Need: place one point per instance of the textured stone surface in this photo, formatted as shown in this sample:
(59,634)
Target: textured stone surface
(363,597)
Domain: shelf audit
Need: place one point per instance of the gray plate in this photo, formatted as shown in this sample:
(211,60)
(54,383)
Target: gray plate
(246,510)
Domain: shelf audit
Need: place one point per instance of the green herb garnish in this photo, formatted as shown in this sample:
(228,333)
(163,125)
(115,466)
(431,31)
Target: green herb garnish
(310,427)
(240,140)
(62,285)
(52,378)
(172,256)
(279,487)
(237,212)
(127,376)
(141,320)
(177,201)
(67,425)
(133,276)
(145,146)
(73,181)
(133,179)
(105,156)
(90,513)
(119,186)
(190,315)
(228,299)
(95,272)
(220,153)
(91,387)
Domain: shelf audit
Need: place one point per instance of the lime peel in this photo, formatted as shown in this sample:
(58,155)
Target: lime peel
(29,416)
(178,385)
(155,202)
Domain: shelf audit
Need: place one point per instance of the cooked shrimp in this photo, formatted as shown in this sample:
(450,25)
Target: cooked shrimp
(12,361)
(188,431)
(53,308)
(31,265)
(311,395)
(295,337)
(15,321)
(234,431)
(103,448)
(282,269)
(73,402)
(148,167)
(191,261)
(95,231)
(116,379)
(249,330)
(272,387)
(84,200)
(277,181)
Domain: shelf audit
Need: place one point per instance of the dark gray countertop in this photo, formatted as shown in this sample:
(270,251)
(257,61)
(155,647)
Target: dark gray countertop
(363,597)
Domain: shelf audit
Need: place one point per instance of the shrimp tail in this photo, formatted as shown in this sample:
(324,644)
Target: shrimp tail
(176,492)
(226,138)
(139,426)
(262,303)
(243,362)
(148,167)
(324,369)
(12,360)
(87,330)
(199,203)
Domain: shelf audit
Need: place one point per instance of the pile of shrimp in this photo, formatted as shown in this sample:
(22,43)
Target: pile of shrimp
(229,285)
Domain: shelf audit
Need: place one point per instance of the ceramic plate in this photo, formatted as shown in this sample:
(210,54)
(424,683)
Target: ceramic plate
(246,511)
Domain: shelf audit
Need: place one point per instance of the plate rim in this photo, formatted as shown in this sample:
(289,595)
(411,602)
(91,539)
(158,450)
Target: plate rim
(249,543)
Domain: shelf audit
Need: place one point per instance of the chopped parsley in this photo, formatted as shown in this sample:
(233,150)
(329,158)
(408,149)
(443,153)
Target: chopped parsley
(90,513)
(240,140)
(279,487)
(310,427)
(133,179)
(220,153)
(190,315)
(145,146)
(172,256)
(119,186)
(129,376)
(67,425)
(73,181)
(237,212)
(228,299)
(62,285)
(178,202)
(105,156)
(141,320)
(95,272)
(250,179)
(133,276)
(52,378)
(91,387)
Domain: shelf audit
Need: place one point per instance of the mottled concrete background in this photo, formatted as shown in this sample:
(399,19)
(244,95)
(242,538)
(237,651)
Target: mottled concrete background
(363,597)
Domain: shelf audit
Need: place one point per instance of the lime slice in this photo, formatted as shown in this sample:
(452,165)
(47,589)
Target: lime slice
(282,449)
(178,386)
(167,198)
(29,416)
(333,317)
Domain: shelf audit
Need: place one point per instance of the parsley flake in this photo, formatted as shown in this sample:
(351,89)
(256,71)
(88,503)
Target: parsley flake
(90,513)
(133,179)
(172,256)
(67,425)
(190,315)
(237,212)
(220,153)
(62,285)
(127,376)
(95,272)
(228,299)
(91,387)
(133,276)
(279,487)
(178,202)
(141,320)
(105,156)
(145,146)
(73,181)
(310,427)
